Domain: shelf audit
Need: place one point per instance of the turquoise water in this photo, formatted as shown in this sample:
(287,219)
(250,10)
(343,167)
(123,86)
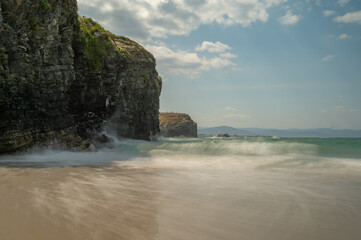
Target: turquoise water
(187,188)
(316,148)
(326,147)
(330,147)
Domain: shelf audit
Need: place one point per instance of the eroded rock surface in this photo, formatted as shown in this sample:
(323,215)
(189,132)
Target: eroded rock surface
(177,125)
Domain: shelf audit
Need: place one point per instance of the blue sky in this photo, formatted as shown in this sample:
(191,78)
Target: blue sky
(249,63)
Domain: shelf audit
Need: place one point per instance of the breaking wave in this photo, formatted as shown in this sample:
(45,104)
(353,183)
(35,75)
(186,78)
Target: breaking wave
(239,147)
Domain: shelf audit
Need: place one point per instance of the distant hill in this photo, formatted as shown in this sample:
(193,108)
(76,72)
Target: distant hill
(224,130)
(318,132)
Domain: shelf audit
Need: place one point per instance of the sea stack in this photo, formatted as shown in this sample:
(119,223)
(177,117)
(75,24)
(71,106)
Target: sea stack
(177,125)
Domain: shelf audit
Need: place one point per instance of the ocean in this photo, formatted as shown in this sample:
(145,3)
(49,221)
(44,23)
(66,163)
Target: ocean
(252,188)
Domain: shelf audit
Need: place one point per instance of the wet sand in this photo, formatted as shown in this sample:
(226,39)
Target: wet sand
(152,199)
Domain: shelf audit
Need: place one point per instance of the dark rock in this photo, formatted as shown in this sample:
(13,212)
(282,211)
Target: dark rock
(91,148)
(223,135)
(177,125)
(89,125)
(1,16)
(103,141)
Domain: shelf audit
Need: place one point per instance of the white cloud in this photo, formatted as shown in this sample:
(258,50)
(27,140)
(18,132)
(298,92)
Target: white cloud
(170,62)
(228,55)
(351,17)
(176,62)
(290,19)
(274,2)
(344,36)
(343,109)
(342,2)
(237,116)
(144,19)
(216,62)
(328,13)
(106,8)
(211,47)
(230,109)
(328,57)
(237,69)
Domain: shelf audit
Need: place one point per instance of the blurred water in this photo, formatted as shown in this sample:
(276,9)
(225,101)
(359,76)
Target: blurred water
(206,188)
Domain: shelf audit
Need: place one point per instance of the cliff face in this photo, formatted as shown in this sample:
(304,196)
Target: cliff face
(36,70)
(116,80)
(62,80)
(177,125)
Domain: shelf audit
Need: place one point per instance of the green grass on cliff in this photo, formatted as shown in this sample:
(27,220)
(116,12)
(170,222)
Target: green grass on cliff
(173,118)
(45,4)
(96,41)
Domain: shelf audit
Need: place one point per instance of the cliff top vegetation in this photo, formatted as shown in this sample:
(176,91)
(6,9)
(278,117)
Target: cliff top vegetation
(98,42)
(170,117)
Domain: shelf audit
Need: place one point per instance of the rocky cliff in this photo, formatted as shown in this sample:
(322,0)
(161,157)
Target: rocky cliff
(177,125)
(63,79)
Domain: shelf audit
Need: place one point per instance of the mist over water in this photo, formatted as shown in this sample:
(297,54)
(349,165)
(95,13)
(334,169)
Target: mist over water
(206,188)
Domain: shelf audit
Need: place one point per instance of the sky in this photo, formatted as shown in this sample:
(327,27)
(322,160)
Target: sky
(249,63)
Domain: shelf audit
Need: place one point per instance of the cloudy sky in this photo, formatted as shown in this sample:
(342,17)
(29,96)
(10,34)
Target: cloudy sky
(249,63)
